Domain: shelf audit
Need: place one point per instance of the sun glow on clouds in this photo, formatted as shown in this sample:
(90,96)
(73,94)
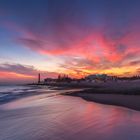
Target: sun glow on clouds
(14,75)
(18,72)
(74,37)
(15,78)
(90,54)
(95,52)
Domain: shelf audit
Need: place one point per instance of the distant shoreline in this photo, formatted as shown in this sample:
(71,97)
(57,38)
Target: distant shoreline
(123,87)
(120,94)
(128,101)
(112,93)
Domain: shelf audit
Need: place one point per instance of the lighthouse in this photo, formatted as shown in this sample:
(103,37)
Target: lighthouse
(39,78)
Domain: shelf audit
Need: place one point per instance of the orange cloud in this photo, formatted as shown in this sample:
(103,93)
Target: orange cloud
(14,75)
(17,73)
(105,51)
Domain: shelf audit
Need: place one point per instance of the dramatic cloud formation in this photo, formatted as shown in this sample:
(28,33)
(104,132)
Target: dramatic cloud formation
(21,73)
(83,36)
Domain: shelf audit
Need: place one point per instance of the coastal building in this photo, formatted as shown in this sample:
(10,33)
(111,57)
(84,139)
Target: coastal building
(49,80)
(96,77)
(60,79)
(63,78)
(100,78)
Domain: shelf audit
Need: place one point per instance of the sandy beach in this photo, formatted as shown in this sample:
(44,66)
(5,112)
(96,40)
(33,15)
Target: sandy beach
(122,93)
(128,101)
(47,113)
(66,118)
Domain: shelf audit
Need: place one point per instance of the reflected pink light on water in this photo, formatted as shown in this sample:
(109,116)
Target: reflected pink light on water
(68,118)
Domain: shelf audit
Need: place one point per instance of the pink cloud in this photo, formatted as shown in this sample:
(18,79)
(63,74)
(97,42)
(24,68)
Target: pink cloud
(22,73)
(103,50)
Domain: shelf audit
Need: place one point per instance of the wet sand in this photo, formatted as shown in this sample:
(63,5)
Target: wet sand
(128,101)
(66,118)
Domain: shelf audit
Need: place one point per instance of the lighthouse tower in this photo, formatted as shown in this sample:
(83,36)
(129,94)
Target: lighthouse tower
(39,78)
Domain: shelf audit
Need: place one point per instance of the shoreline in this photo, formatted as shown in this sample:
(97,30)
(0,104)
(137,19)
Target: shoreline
(120,87)
(127,101)
(33,90)
(125,95)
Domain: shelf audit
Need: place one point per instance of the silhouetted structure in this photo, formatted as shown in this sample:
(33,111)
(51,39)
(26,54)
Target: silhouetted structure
(93,78)
(63,78)
(39,78)
(137,77)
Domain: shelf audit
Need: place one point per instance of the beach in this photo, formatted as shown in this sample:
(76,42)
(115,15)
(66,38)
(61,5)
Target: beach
(53,116)
(128,101)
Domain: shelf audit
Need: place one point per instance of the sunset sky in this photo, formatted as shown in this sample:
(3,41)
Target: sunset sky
(74,37)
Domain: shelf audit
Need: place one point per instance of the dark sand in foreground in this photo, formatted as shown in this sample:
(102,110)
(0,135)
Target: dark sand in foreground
(123,93)
(129,101)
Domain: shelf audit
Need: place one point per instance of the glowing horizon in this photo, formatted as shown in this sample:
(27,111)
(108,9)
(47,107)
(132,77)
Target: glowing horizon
(74,37)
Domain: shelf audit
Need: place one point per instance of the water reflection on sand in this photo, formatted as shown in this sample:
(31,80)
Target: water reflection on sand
(66,118)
